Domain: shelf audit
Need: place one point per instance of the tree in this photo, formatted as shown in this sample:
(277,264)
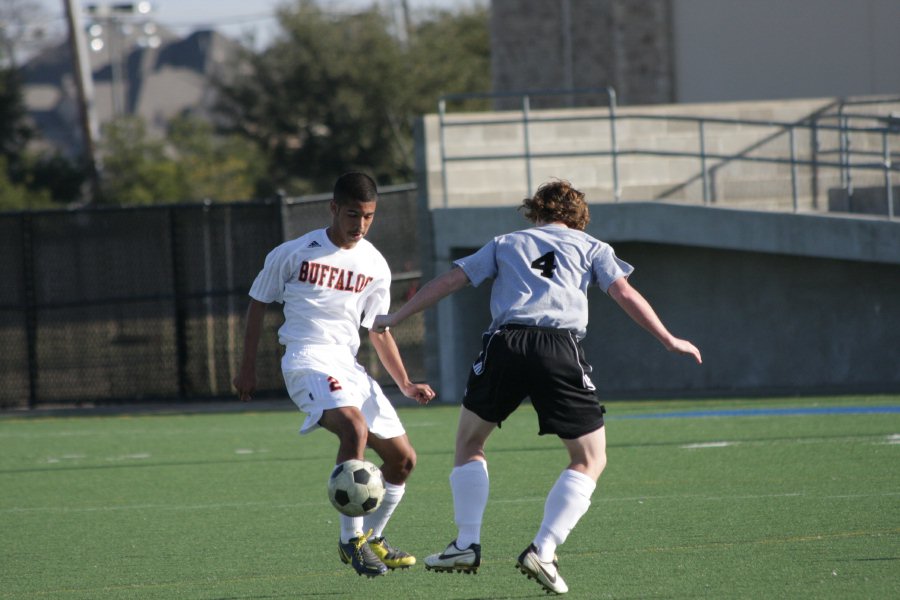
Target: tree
(14,132)
(136,169)
(28,179)
(59,176)
(337,92)
(15,193)
(212,166)
(316,100)
(20,29)
(452,55)
(191,163)
(16,196)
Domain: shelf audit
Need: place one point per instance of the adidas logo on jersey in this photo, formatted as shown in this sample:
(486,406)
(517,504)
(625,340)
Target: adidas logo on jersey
(314,244)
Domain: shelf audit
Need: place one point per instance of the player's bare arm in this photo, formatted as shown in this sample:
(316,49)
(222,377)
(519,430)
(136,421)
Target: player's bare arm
(245,380)
(430,294)
(640,311)
(389,355)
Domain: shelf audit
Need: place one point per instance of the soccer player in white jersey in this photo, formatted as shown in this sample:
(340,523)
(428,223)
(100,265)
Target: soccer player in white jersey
(332,281)
(532,348)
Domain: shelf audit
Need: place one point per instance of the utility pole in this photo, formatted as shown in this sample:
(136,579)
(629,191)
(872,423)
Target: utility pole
(85,85)
(407,21)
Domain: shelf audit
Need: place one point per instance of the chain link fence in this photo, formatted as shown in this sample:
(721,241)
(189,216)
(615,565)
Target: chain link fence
(128,305)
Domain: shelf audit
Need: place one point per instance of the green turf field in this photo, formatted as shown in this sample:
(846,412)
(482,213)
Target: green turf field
(233,506)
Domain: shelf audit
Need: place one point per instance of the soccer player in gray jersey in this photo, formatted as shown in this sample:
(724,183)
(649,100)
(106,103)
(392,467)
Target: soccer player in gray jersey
(532,349)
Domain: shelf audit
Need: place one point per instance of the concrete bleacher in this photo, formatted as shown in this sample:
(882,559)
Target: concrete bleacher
(483,159)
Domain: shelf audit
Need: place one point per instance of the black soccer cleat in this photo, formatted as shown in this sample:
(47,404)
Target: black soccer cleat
(357,552)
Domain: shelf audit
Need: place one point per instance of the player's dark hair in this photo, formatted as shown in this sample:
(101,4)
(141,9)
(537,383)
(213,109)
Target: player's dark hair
(558,201)
(355,187)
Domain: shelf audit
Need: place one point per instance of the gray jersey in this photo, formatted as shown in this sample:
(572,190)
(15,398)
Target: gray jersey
(542,274)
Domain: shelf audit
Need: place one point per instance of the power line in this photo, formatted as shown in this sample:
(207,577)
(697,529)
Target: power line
(235,20)
(55,16)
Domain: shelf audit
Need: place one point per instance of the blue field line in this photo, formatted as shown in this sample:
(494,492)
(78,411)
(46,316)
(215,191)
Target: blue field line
(768,412)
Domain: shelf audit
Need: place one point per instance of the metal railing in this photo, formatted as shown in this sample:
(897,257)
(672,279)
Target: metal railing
(837,121)
(526,119)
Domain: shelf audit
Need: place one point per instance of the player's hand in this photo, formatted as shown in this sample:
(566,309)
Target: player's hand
(382,323)
(685,347)
(420,392)
(245,384)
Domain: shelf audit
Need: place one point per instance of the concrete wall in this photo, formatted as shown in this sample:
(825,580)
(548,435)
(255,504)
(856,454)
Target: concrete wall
(777,303)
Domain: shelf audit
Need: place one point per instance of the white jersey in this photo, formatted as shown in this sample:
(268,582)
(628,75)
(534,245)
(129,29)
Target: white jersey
(328,292)
(542,274)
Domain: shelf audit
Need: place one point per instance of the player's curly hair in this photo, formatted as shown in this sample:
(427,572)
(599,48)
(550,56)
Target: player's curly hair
(558,201)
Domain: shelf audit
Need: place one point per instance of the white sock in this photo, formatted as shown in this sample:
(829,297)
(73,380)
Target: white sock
(469,484)
(377,520)
(350,527)
(568,500)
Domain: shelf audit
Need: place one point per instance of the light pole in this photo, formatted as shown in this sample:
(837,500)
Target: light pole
(83,74)
(112,27)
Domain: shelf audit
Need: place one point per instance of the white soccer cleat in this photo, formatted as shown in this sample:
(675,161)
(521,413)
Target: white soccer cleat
(466,560)
(545,573)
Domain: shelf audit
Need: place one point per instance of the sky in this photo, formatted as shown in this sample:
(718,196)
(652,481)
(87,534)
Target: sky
(232,17)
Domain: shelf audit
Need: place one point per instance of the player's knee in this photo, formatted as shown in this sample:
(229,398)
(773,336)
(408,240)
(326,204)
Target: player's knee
(591,465)
(398,470)
(469,449)
(408,463)
(594,465)
(600,464)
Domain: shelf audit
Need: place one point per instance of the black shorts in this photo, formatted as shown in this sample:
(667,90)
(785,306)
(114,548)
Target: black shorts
(546,364)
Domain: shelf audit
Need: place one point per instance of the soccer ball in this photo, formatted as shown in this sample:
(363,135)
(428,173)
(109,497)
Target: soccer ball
(356,487)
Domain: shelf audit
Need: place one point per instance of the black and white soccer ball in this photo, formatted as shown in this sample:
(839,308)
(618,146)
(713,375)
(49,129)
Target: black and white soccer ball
(356,487)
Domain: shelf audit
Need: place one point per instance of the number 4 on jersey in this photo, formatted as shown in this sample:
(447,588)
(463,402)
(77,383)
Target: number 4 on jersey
(545,264)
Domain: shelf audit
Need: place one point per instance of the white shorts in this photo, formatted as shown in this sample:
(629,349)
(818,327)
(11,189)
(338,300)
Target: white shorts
(319,378)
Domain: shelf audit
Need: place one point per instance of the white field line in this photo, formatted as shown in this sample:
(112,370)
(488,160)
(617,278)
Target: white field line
(129,433)
(866,439)
(892,439)
(139,456)
(708,445)
(599,498)
(273,505)
(160,507)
